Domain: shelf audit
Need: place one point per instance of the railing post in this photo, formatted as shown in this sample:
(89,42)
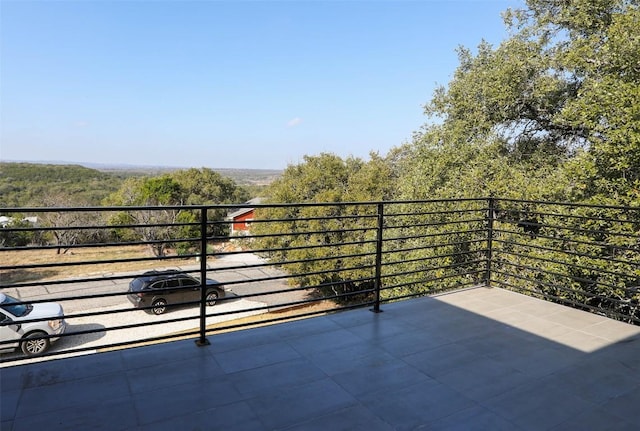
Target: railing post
(490,218)
(202,340)
(378,276)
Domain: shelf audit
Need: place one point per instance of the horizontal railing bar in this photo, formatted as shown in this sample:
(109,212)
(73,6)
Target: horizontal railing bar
(575,304)
(566,204)
(565,216)
(431,280)
(460,232)
(434,268)
(560,262)
(455,287)
(425,213)
(570,240)
(301,233)
(432,246)
(560,287)
(572,229)
(422,259)
(421,247)
(299,219)
(565,300)
(560,275)
(224,206)
(443,223)
(566,252)
(300,247)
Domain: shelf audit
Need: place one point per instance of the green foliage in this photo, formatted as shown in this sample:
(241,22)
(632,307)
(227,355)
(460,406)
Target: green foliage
(15,238)
(552,112)
(162,190)
(585,256)
(318,238)
(433,246)
(180,188)
(27,184)
(205,186)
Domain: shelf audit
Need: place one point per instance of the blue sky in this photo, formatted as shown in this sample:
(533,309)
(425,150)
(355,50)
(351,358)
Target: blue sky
(225,84)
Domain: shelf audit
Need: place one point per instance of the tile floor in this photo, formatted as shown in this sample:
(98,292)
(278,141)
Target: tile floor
(478,359)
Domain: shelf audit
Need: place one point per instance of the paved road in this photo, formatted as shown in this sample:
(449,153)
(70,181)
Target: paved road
(243,272)
(233,307)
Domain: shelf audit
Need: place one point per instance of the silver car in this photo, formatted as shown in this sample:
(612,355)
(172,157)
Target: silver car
(33,338)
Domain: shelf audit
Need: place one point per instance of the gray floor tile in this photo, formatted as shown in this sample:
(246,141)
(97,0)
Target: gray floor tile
(442,360)
(411,341)
(255,357)
(306,327)
(538,406)
(473,418)
(244,338)
(537,358)
(422,364)
(484,379)
(84,366)
(182,400)
(276,377)
(13,378)
(146,378)
(9,404)
(624,406)
(110,415)
(301,404)
(379,328)
(356,418)
(78,394)
(231,417)
(341,360)
(324,341)
(355,318)
(416,405)
(380,377)
(597,419)
(596,381)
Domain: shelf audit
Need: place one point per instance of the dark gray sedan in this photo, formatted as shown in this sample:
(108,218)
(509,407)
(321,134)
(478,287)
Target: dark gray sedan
(155,291)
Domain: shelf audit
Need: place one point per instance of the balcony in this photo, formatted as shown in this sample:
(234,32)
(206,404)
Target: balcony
(423,343)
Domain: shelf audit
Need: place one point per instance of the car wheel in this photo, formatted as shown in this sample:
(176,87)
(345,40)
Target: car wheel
(34,344)
(159,306)
(212,298)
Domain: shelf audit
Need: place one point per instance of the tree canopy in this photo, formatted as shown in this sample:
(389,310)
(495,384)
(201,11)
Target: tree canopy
(556,104)
(180,188)
(30,184)
(551,113)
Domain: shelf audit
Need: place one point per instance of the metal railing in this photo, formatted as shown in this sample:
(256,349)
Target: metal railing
(584,256)
(306,259)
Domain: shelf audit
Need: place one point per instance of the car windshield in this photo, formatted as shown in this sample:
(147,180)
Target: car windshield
(12,305)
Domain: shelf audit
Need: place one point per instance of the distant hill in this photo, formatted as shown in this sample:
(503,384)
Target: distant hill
(254,177)
(25,184)
(30,184)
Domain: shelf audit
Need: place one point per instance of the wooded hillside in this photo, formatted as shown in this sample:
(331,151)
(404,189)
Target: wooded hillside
(37,185)
(27,184)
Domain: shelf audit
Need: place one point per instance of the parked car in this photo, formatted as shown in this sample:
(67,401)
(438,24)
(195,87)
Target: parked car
(160,289)
(31,337)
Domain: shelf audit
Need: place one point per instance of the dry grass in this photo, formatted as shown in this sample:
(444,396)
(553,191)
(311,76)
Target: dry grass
(51,257)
